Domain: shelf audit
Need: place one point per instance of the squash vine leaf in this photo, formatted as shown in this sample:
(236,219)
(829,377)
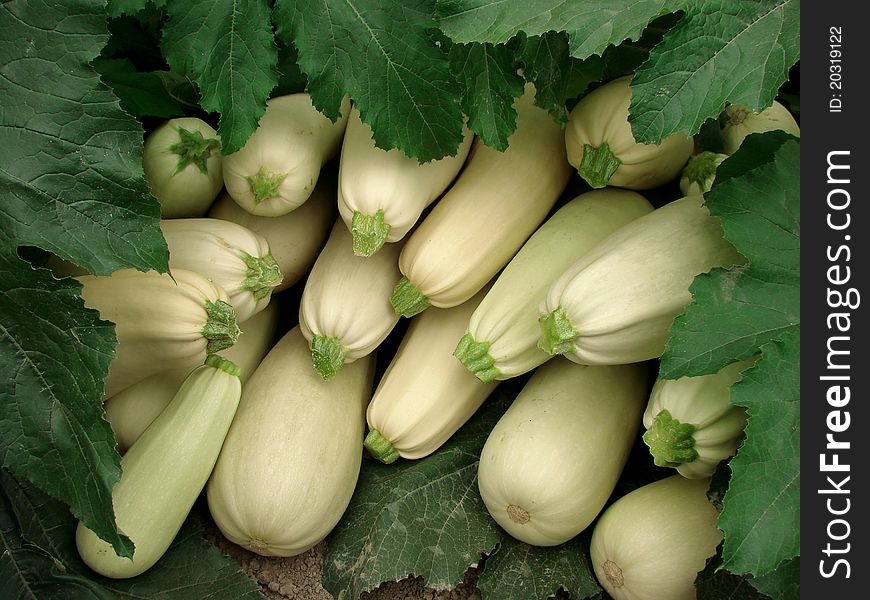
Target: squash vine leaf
(745,311)
(383,57)
(72,184)
(720,51)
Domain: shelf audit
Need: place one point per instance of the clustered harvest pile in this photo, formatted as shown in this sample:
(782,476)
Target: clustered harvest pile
(416,277)
(273,433)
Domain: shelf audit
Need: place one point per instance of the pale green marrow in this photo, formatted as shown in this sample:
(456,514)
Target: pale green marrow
(501,339)
(164,472)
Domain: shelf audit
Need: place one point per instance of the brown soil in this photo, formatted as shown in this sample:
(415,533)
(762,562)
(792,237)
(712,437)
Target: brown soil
(298,577)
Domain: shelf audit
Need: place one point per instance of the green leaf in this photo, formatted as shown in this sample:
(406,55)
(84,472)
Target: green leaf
(625,58)
(489,83)
(742,312)
(40,560)
(228,48)
(783,583)
(736,51)
(719,51)
(56,354)
(518,570)
(116,8)
(71,175)
(760,150)
(557,76)
(383,58)
(291,79)
(421,517)
(141,94)
(137,38)
(180,88)
(735,312)
(592,25)
(761,518)
(70,158)
(713,583)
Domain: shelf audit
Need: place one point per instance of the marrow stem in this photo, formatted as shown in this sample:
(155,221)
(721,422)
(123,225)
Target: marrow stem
(328,355)
(476,358)
(407,300)
(264,185)
(702,167)
(220,329)
(598,165)
(557,333)
(262,275)
(369,232)
(670,442)
(380,447)
(223,364)
(193,148)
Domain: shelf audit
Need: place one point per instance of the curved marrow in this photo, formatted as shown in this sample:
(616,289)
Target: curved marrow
(295,239)
(164,472)
(616,304)
(425,395)
(345,311)
(234,257)
(651,543)
(691,424)
(134,408)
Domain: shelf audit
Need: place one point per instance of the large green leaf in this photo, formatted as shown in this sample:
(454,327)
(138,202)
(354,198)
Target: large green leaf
(490,83)
(714,583)
(426,518)
(720,51)
(142,94)
(55,354)
(735,312)
(71,180)
(592,25)
(70,158)
(116,8)
(39,560)
(518,570)
(736,51)
(761,515)
(557,76)
(382,56)
(783,583)
(228,48)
